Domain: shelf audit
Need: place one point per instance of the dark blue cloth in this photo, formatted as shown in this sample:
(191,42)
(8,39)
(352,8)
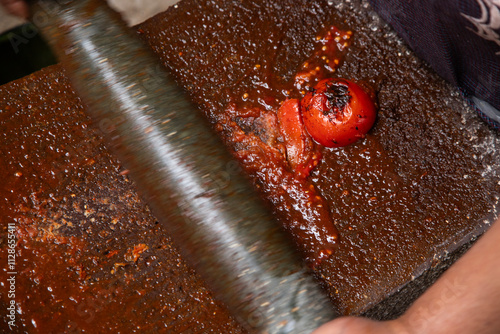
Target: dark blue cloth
(460,39)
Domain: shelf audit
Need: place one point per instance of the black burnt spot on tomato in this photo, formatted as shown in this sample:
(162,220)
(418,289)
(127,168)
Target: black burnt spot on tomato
(338,97)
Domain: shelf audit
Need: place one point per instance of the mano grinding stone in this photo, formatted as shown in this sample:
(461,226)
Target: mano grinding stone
(179,165)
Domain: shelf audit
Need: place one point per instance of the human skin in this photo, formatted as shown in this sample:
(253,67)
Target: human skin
(466,299)
(16,7)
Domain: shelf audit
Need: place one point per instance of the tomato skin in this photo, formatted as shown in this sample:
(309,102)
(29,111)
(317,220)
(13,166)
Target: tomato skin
(337,112)
(300,151)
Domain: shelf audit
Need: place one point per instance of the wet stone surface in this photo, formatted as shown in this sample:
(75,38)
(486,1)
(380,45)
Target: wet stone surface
(422,184)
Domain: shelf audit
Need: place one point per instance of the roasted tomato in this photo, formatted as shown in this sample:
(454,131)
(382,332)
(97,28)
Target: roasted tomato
(337,112)
(301,153)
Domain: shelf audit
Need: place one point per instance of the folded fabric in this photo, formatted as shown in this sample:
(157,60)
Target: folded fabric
(460,39)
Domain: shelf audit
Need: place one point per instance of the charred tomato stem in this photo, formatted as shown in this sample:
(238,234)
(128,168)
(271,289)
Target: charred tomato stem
(338,97)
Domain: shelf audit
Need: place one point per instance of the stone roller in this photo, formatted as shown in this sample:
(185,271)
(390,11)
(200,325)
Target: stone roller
(183,170)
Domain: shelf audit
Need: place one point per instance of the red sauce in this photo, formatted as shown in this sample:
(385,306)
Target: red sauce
(398,198)
(90,256)
(250,126)
(380,191)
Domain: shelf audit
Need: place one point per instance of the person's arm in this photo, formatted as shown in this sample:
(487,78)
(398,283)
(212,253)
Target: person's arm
(466,299)
(16,7)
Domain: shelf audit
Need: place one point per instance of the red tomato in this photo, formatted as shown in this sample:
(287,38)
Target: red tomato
(291,128)
(300,151)
(337,112)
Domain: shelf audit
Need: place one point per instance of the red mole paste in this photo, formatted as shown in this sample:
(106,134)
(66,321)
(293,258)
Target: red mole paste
(91,257)
(418,186)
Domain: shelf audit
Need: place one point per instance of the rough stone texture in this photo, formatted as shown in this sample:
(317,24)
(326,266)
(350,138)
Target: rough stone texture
(423,183)
(90,256)
(429,162)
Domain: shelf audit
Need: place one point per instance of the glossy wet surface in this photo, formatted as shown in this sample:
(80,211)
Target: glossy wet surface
(420,185)
(90,255)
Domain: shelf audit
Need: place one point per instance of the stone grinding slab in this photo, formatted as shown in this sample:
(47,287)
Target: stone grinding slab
(430,164)
(91,258)
(423,183)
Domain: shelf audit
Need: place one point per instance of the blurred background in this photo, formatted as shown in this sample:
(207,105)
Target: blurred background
(23,51)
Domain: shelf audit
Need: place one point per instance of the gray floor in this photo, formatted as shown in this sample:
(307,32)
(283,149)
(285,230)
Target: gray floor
(133,11)
(8,21)
(137,11)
